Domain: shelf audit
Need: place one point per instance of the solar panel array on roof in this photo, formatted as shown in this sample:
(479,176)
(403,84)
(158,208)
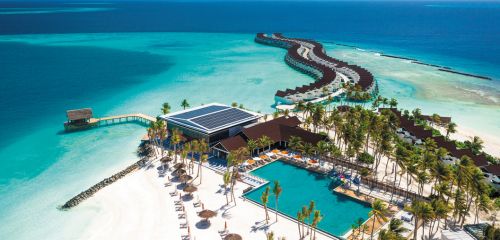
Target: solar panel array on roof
(221,118)
(199,112)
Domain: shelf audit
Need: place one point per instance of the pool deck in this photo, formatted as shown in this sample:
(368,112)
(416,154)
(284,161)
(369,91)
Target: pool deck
(393,209)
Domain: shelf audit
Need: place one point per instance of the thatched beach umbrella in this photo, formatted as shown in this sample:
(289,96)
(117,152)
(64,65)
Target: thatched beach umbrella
(190,189)
(185,178)
(179,165)
(206,214)
(166,159)
(233,236)
(179,172)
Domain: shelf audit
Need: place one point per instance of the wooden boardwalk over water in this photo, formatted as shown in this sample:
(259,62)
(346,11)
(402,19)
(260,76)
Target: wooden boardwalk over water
(140,117)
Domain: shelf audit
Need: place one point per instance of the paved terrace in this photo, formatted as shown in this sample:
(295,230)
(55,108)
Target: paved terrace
(309,57)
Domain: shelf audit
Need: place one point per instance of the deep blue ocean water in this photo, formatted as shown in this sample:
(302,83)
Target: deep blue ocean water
(42,74)
(467,30)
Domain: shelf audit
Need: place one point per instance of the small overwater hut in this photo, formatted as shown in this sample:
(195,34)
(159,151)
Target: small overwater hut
(78,119)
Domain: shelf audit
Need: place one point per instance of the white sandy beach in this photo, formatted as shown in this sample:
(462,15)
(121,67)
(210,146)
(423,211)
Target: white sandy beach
(139,207)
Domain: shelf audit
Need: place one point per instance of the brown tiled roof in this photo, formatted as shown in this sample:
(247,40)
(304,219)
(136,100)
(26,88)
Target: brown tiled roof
(306,136)
(279,129)
(270,128)
(233,143)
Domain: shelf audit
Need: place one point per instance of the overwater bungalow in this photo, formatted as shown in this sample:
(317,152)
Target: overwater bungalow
(309,58)
(78,119)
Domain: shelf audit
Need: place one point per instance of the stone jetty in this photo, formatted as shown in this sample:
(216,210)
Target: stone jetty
(105,182)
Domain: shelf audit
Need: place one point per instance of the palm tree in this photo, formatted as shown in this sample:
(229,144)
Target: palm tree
(394,230)
(175,139)
(184,104)
(379,211)
(165,109)
(252,145)
(227,180)
(421,211)
(450,128)
(265,141)
(316,219)
(310,210)
(277,192)
(203,159)
(476,145)
(161,129)
(265,199)
(202,148)
(295,143)
(393,103)
(300,219)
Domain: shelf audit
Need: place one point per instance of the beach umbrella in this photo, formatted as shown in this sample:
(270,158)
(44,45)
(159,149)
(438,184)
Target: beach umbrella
(166,159)
(185,178)
(179,165)
(179,172)
(233,236)
(190,189)
(206,214)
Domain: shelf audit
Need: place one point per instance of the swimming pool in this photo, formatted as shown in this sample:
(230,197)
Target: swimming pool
(300,186)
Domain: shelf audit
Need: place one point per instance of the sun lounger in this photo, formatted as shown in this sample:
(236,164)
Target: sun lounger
(181,216)
(178,202)
(174,193)
(223,233)
(184,225)
(197,203)
(186,237)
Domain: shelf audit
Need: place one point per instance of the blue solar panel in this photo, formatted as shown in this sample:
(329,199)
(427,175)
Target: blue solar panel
(221,118)
(198,112)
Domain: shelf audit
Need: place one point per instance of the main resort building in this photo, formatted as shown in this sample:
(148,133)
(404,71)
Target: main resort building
(228,128)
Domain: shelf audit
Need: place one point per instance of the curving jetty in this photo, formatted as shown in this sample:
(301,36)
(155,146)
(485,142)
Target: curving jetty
(309,57)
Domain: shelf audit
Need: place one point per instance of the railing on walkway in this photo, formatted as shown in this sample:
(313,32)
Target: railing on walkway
(373,183)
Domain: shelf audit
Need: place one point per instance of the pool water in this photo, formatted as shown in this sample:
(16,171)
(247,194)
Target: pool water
(300,186)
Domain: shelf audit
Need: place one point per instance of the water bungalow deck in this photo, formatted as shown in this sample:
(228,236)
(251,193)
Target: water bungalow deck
(309,57)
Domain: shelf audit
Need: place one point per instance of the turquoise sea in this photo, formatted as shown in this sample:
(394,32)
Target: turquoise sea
(55,59)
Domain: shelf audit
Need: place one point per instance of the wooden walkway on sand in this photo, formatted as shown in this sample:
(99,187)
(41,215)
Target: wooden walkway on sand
(123,118)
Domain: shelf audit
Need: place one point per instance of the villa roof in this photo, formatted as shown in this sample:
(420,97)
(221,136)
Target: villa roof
(270,128)
(233,143)
(324,74)
(78,114)
(279,129)
(421,133)
(211,118)
(493,169)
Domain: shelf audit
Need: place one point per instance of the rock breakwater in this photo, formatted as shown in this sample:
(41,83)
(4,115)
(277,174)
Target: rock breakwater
(98,186)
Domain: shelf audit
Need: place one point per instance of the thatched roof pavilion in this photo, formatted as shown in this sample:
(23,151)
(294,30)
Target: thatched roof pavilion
(83,114)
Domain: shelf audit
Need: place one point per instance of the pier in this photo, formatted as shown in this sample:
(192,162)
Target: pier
(80,119)
(140,117)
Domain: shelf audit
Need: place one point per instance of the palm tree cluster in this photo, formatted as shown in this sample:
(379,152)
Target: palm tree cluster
(157,133)
(394,231)
(355,93)
(308,219)
(457,191)
(234,160)
(363,137)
